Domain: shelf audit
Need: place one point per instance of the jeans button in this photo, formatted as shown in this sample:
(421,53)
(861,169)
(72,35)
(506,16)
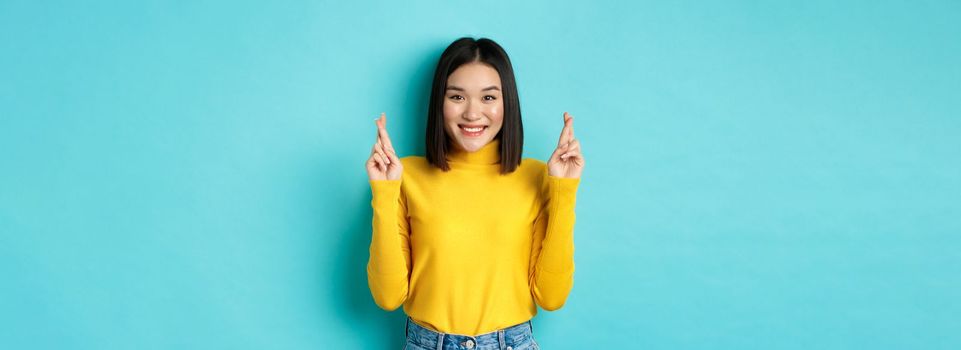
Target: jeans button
(469,343)
(509,348)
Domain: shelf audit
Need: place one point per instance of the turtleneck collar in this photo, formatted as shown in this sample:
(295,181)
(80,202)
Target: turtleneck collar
(487,155)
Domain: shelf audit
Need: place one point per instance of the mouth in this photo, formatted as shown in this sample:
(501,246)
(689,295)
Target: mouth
(472,130)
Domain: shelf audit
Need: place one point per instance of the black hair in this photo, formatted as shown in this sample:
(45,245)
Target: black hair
(511,135)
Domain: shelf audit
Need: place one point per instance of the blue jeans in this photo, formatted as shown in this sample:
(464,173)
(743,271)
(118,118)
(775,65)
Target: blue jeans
(516,337)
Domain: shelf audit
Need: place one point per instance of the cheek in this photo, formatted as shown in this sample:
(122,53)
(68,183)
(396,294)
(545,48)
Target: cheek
(451,111)
(496,112)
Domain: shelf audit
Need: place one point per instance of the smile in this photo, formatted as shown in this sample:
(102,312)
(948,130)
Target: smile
(472,131)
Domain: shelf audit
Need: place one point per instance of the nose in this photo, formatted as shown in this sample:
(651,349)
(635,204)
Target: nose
(473,111)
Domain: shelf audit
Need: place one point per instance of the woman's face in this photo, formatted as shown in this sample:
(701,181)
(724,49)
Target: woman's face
(473,106)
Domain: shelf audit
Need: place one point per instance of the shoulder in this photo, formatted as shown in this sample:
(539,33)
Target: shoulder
(533,169)
(416,165)
(413,161)
(533,165)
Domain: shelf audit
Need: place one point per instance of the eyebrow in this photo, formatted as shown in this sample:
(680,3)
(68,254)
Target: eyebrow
(458,88)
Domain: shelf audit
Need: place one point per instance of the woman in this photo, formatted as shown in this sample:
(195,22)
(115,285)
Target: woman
(471,236)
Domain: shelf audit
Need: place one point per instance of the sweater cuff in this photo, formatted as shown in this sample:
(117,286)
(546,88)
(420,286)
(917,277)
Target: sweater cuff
(563,184)
(385,191)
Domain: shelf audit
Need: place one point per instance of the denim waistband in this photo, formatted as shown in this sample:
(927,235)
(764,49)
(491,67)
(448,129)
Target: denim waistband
(513,336)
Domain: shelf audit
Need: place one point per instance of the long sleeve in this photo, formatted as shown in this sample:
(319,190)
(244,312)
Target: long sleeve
(552,253)
(389,266)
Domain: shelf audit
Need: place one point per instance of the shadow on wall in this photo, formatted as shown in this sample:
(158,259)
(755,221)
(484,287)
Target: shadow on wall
(346,280)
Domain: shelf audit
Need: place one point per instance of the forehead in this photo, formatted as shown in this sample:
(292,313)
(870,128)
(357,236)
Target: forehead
(474,75)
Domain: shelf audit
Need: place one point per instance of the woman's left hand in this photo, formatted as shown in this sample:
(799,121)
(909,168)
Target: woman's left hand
(566,161)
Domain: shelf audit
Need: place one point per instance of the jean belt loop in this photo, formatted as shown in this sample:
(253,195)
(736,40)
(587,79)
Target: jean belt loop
(440,341)
(407,328)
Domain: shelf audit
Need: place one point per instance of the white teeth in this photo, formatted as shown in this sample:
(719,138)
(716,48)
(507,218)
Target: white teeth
(473,129)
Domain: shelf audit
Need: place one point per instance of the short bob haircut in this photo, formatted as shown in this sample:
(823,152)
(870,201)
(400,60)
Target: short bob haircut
(468,50)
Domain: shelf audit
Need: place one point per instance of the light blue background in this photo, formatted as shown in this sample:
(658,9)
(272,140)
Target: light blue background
(760,175)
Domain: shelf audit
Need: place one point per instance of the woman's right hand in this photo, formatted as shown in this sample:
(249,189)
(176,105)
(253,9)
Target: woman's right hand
(383,163)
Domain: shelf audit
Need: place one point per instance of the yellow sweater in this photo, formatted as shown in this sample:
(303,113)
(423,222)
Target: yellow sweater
(470,251)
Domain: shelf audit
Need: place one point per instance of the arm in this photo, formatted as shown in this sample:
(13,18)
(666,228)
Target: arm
(389,265)
(552,252)
(551,273)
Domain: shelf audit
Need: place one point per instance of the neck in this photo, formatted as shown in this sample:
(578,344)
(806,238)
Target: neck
(488,154)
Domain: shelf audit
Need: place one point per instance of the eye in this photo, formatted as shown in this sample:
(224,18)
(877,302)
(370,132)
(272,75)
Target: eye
(490,98)
(456,97)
